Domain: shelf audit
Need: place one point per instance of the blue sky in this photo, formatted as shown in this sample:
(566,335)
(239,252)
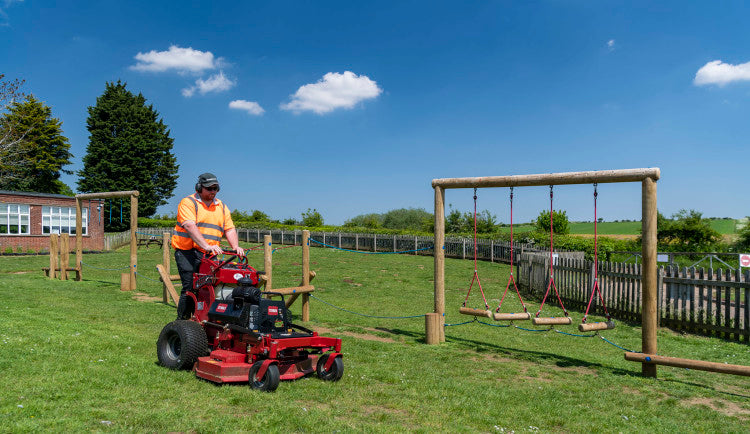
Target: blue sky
(351,108)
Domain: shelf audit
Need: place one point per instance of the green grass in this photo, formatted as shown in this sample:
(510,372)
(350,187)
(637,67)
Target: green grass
(81,356)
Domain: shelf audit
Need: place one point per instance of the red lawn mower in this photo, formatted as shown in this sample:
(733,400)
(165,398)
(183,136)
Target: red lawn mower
(236,333)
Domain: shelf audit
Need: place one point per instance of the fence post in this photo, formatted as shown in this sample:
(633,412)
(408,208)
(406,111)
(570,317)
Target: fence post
(374,242)
(492,250)
(166,262)
(356,241)
(339,240)
(306,273)
(463,254)
(394,244)
(415,246)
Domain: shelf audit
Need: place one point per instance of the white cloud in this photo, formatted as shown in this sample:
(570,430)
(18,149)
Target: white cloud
(720,73)
(333,91)
(611,44)
(176,58)
(251,107)
(215,83)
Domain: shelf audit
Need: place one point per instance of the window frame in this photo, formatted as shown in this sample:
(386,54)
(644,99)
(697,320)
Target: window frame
(58,214)
(6,217)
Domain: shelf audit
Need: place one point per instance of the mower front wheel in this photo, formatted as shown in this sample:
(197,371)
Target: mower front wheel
(335,372)
(270,380)
(180,344)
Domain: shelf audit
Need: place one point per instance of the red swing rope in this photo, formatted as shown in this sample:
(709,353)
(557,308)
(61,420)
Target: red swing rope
(595,287)
(551,283)
(511,278)
(475,277)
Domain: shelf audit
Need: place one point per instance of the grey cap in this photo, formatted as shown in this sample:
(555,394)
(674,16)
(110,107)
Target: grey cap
(208,179)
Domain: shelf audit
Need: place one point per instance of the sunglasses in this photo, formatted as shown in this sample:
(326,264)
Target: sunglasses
(212,188)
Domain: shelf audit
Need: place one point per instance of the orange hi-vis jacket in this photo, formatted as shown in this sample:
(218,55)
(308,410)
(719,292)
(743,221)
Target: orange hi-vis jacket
(212,222)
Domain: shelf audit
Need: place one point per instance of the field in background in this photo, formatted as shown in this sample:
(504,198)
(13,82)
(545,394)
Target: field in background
(82,356)
(724,227)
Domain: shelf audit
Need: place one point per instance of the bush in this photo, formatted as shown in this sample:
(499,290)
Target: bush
(686,231)
(743,242)
(560,223)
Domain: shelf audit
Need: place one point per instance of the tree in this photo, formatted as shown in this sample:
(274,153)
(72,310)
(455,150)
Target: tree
(36,162)
(129,149)
(743,242)
(10,138)
(560,222)
(312,218)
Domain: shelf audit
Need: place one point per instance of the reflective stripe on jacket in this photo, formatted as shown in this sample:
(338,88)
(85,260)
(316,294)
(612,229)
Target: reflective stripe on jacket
(212,222)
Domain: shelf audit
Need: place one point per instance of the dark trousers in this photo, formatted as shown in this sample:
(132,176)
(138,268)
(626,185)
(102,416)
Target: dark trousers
(188,262)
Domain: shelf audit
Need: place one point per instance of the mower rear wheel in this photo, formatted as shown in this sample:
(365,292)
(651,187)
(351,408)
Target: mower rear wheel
(270,380)
(335,372)
(180,344)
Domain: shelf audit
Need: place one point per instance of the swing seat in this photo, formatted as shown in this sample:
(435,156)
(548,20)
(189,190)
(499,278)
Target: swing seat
(590,327)
(475,312)
(563,320)
(499,316)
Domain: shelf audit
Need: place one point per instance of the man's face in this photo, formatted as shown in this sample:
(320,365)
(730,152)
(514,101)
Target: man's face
(209,193)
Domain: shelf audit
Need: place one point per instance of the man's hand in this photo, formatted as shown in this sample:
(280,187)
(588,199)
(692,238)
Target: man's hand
(213,250)
(240,251)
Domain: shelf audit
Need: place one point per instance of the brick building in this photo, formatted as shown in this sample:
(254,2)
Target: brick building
(27,220)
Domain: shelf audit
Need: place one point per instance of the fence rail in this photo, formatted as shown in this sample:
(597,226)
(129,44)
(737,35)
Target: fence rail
(695,300)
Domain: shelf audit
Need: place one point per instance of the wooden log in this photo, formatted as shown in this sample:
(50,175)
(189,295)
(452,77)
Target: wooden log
(306,273)
(590,177)
(592,326)
(167,281)
(432,328)
(563,320)
(439,258)
(79,237)
(53,254)
(133,239)
(293,290)
(722,368)
(124,281)
(648,251)
(475,312)
(293,298)
(64,256)
(107,194)
(166,263)
(499,316)
(268,260)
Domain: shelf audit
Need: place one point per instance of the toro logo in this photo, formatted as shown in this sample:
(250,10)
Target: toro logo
(273,310)
(221,308)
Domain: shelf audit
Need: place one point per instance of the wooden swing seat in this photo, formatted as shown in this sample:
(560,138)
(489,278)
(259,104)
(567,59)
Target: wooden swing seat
(475,312)
(593,326)
(563,320)
(499,316)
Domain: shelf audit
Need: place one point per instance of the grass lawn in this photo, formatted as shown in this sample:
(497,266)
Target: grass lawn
(81,356)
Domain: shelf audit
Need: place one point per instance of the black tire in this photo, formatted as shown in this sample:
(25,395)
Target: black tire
(270,380)
(334,373)
(180,344)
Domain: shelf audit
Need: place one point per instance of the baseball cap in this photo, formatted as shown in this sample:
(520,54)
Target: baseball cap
(208,179)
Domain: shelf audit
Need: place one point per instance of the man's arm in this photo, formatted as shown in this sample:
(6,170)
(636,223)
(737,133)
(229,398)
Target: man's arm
(233,239)
(197,237)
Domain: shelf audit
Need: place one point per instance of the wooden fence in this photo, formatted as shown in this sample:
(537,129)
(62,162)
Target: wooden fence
(699,301)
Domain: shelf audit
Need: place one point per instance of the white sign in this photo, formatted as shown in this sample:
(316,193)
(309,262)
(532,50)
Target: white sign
(744,260)
(662,258)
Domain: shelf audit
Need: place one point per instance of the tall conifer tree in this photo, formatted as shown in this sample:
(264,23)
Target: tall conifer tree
(129,149)
(36,162)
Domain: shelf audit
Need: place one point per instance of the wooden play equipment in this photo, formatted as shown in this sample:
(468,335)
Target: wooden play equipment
(266,279)
(59,244)
(647,177)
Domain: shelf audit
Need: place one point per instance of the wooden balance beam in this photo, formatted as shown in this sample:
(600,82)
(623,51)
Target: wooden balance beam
(722,368)
(563,320)
(593,326)
(167,280)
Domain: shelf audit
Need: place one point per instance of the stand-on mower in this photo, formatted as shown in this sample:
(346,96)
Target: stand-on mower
(232,332)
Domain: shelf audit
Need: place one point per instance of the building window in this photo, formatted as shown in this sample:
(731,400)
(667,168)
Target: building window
(14,219)
(62,220)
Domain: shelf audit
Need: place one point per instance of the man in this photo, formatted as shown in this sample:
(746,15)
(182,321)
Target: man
(202,220)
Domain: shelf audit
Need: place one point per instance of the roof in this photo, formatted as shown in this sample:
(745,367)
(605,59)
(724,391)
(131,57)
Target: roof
(35,194)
